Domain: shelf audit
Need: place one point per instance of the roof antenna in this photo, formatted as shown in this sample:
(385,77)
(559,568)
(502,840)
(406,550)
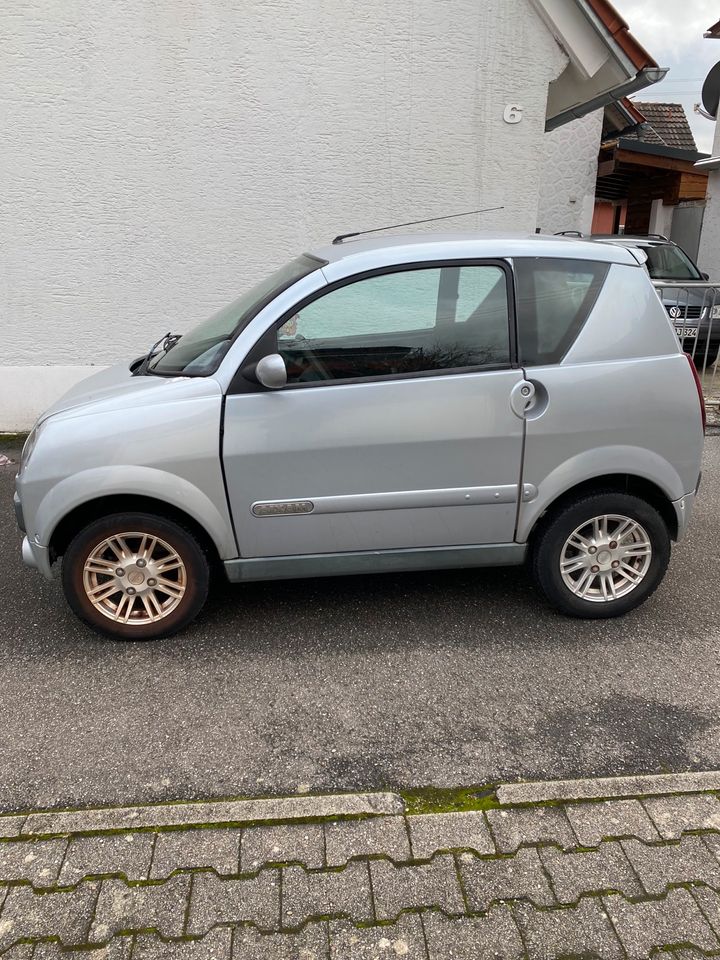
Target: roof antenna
(413,223)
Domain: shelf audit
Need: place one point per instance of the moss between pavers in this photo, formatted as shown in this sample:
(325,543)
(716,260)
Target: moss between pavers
(418,800)
(443,800)
(12,438)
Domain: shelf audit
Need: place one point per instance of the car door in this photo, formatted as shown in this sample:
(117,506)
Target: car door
(395,429)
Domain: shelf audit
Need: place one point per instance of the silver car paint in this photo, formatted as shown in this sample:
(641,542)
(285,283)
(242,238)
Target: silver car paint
(145,436)
(607,404)
(375,561)
(603,410)
(358,255)
(695,299)
(416,445)
(627,322)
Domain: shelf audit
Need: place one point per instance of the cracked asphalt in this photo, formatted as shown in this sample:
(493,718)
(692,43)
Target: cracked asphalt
(449,679)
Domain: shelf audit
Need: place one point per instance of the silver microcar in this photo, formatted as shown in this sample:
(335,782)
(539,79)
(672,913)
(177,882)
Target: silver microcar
(409,403)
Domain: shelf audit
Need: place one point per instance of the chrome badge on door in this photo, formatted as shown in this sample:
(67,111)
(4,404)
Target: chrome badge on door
(282,508)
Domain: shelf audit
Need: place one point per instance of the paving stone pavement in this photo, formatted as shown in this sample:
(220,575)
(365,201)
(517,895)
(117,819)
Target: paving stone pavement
(632,878)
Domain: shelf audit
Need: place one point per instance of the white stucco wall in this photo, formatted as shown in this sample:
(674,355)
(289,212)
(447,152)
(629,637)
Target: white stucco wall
(160,155)
(661,217)
(567,191)
(709,251)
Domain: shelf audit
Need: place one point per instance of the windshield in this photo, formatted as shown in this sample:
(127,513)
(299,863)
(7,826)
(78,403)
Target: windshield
(200,351)
(670,263)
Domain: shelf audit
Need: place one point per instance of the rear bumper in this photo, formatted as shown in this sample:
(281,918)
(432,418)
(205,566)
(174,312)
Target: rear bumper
(683,512)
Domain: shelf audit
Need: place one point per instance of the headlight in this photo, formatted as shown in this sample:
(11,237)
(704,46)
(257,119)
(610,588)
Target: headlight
(29,446)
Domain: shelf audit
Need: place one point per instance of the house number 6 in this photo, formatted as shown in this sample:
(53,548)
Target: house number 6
(513,113)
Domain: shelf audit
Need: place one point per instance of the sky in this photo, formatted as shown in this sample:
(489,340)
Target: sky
(672,33)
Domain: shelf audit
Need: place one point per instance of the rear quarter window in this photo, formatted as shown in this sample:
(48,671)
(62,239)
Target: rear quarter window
(554,299)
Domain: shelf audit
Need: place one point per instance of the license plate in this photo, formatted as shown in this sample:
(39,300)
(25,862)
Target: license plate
(685,332)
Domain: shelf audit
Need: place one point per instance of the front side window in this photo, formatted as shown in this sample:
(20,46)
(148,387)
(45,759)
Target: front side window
(399,323)
(554,299)
(199,352)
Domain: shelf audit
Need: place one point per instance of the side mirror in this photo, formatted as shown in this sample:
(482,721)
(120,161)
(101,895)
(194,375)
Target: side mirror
(271,372)
(705,276)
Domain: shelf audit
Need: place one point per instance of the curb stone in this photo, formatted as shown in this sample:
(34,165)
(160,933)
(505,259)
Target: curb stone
(357,877)
(204,813)
(604,788)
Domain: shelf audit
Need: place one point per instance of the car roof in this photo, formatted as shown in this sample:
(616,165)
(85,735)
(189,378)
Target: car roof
(361,252)
(626,241)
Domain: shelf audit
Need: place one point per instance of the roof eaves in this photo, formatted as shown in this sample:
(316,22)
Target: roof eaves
(621,118)
(628,69)
(660,150)
(620,32)
(632,110)
(708,163)
(644,78)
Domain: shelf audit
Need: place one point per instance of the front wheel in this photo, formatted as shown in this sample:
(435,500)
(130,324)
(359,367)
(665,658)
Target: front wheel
(602,555)
(135,576)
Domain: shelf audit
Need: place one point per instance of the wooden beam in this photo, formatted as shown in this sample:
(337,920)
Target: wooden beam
(692,186)
(651,160)
(605,168)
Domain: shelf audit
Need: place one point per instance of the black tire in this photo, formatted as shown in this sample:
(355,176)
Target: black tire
(712,356)
(557,528)
(196,572)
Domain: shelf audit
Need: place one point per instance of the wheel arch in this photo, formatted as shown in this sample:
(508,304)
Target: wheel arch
(634,484)
(82,497)
(90,510)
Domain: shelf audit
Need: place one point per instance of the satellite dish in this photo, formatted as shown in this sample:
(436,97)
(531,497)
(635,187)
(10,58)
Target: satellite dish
(711,90)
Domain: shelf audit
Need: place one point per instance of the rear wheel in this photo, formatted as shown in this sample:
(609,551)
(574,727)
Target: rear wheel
(602,555)
(134,576)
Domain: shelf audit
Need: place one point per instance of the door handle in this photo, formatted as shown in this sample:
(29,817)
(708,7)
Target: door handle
(522,397)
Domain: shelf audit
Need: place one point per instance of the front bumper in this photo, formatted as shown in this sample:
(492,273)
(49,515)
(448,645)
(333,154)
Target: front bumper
(33,554)
(19,518)
(37,557)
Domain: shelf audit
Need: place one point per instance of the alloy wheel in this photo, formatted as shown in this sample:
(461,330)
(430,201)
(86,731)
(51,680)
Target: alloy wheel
(605,558)
(134,578)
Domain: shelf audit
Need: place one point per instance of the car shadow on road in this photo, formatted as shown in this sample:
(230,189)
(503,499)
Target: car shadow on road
(462,607)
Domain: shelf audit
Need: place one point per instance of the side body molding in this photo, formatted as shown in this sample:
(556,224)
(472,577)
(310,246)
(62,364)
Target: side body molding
(394,500)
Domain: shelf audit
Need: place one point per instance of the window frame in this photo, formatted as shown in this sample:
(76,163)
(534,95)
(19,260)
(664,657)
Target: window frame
(244,382)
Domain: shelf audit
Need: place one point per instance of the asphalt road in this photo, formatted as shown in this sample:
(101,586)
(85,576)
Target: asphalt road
(402,680)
